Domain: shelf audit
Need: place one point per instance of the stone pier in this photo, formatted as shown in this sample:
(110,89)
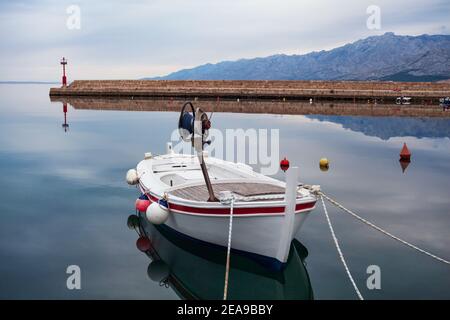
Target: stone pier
(356,91)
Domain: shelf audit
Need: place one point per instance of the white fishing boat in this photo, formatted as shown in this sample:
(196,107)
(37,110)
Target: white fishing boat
(194,196)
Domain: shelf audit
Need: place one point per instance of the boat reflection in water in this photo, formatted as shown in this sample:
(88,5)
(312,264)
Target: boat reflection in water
(196,270)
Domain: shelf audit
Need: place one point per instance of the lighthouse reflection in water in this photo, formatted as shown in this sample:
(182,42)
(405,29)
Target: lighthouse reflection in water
(196,270)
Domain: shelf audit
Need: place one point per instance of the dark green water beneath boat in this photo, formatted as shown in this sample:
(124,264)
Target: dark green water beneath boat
(64,201)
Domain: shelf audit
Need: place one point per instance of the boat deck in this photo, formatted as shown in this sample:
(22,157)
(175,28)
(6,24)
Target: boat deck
(200,192)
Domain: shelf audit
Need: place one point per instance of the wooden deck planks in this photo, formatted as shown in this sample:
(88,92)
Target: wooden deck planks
(200,192)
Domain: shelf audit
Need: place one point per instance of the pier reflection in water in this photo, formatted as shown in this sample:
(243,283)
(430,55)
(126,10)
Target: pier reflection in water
(196,270)
(324,107)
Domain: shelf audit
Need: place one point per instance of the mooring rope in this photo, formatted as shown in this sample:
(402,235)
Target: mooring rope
(370,224)
(336,243)
(227,268)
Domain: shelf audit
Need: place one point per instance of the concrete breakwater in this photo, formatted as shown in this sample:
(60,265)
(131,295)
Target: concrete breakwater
(420,92)
(255,106)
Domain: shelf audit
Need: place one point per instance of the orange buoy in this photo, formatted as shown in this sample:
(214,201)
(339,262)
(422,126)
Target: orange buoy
(142,204)
(284,164)
(405,154)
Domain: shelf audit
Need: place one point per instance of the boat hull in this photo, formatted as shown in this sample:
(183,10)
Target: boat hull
(267,213)
(256,235)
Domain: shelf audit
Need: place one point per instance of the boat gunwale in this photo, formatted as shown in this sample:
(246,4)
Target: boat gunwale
(268,207)
(279,205)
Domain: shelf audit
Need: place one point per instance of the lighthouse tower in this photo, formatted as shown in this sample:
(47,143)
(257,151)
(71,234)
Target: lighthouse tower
(64,79)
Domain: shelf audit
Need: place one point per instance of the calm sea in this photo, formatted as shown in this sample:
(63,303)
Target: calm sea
(64,201)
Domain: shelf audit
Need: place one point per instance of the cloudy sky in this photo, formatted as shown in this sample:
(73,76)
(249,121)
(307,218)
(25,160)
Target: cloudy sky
(137,38)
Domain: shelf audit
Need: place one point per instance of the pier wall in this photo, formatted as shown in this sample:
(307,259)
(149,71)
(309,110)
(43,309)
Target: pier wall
(332,90)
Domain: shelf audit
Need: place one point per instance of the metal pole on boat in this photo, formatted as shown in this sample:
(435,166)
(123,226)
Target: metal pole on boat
(198,143)
(201,159)
(287,228)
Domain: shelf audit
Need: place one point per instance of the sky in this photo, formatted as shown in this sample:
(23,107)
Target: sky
(112,39)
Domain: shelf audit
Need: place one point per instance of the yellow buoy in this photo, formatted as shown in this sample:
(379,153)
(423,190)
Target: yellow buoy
(324,164)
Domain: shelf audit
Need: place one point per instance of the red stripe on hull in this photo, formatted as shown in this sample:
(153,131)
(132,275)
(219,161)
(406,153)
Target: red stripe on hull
(238,211)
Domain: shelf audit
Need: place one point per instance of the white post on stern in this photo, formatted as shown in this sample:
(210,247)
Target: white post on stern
(287,228)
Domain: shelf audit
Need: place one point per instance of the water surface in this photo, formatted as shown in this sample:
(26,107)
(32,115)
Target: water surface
(64,201)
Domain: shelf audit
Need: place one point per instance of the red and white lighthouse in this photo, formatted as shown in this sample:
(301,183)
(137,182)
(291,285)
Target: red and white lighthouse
(64,79)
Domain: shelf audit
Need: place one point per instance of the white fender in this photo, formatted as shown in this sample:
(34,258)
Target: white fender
(156,213)
(132,177)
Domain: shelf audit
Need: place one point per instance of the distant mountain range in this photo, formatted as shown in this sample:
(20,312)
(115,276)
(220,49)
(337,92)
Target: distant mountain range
(385,57)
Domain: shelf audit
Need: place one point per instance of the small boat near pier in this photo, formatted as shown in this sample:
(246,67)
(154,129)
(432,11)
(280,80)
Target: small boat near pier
(195,195)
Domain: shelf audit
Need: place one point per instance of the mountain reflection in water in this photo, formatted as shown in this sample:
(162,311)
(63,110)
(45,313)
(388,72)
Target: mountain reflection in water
(389,127)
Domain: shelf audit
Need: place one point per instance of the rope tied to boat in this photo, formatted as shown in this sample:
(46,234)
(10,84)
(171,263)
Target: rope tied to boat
(227,197)
(341,255)
(316,190)
(370,224)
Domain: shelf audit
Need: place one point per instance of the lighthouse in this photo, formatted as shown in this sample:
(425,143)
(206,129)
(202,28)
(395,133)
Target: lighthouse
(64,79)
